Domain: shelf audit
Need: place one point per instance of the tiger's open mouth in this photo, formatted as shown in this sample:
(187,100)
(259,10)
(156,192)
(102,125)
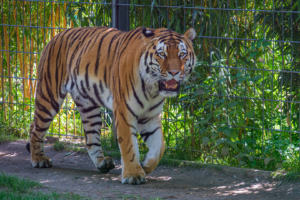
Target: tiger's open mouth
(171,85)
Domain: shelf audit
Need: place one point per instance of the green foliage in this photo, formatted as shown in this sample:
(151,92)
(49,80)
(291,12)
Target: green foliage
(289,176)
(11,132)
(75,148)
(40,196)
(15,183)
(58,146)
(14,187)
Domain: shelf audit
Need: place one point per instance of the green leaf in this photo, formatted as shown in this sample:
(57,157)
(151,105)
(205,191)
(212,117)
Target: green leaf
(217,112)
(227,131)
(278,165)
(225,150)
(249,114)
(241,103)
(251,158)
(267,160)
(254,79)
(220,141)
(232,104)
(205,141)
(233,145)
(252,54)
(241,163)
(214,135)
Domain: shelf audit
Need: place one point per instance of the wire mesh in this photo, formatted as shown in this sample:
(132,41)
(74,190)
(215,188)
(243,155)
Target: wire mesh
(241,106)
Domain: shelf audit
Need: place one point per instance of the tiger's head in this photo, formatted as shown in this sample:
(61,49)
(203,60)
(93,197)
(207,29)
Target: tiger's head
(168,60)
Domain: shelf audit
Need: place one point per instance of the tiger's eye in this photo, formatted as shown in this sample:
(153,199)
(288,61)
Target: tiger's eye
(182,54)
(162,53)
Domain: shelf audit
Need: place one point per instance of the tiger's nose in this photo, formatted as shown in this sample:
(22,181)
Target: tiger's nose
(173,72)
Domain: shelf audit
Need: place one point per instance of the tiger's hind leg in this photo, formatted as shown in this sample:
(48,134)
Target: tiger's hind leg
(91,119)
(45,111)
(151,132)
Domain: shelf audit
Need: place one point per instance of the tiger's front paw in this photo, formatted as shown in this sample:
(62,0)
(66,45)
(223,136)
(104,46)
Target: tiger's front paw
(41,161)
(106,164)
(136,178)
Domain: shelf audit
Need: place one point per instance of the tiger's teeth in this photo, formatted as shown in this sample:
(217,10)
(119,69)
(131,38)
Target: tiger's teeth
(172,87)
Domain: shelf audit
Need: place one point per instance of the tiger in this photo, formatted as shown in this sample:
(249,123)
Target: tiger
(130,73)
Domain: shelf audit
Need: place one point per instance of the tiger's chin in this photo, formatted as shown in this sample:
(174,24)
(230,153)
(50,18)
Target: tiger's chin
(168,93)
(169,88)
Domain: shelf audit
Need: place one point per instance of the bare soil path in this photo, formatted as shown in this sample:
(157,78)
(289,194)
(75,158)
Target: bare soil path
(75,173)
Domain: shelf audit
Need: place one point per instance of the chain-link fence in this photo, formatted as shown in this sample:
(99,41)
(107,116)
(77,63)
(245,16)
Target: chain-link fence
(241,106)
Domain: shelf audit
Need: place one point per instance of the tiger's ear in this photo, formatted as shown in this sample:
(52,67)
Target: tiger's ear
(147,34)
(190,34)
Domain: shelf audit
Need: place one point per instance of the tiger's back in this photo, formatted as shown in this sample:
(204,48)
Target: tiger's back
(76,59)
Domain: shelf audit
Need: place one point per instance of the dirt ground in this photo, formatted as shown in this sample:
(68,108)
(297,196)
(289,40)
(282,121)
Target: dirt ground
(75,173)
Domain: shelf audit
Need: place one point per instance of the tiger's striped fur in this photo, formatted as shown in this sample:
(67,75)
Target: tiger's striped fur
(130,73)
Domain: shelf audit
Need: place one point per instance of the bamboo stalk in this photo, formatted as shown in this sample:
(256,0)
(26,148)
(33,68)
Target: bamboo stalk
(36,61)
(65,17)
(11,97)
(32,59)
(57,17)
(34,82)
(71,23)
(48,25)
(34,87)
(72,107)
(25,72)
(53,21)
(74,122)
(6,41)
(1,67)
(31,68)
(192,130)
(19,48)
(41,21)
(18,44)
(2,82)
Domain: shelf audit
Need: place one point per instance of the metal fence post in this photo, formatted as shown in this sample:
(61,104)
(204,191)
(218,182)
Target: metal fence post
(120,20)
(120,15)
(114,13)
